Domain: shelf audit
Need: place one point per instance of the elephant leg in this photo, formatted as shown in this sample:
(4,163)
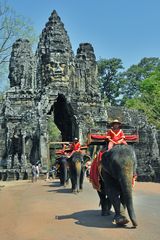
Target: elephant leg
(72,183)
(119,218)
(123,205)
(73,179)
(104,200)
(81,179)
(65,175)
(61,176)
(114,198)
(105,204)
(68,177)
(112,189)
(63,172)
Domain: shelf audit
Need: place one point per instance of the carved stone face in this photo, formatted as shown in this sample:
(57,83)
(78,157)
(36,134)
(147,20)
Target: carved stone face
(57,68)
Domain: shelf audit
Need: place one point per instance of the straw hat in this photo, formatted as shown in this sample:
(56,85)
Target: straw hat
(116,121)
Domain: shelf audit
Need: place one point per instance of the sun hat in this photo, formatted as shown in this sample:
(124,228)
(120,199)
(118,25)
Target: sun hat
(115,121)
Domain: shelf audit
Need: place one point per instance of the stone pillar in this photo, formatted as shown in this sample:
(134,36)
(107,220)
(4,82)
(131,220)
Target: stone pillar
(44,151)
(43,138)
(24,163)
(80,134)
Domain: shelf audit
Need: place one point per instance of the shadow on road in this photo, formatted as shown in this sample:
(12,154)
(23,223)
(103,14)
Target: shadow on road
(61,190)
(90,218)
(52,184)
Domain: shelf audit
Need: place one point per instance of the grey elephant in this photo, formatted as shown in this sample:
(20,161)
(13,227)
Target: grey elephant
(118,167)
(76,171)
(63,170)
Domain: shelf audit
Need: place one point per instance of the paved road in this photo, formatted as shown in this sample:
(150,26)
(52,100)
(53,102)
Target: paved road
(46,211)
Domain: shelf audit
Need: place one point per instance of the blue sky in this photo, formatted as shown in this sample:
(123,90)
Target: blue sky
(125,29)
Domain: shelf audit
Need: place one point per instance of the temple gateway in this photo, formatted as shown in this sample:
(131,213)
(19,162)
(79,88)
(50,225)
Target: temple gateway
(54,83)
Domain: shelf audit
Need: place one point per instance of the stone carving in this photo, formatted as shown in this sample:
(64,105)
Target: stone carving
(87,69)
(54,53)
(21,65)
(16,148)
(8,109)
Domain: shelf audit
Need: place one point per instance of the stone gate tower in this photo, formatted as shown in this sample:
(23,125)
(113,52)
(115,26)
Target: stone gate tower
(51,82)
(55,83)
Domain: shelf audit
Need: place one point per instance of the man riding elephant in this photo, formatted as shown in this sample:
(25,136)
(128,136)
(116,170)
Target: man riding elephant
(117,170)
(116,137)
(75,146)
(62,165)
(76,166)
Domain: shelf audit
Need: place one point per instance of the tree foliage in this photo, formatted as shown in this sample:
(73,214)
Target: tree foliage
(138,87)
(54,136)
(110,83)
(149,99)
(53,131)
(12,27)
(135,75)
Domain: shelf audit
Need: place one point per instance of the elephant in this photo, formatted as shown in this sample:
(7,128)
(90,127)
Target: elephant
(63,170)
(76,171)
(117,169)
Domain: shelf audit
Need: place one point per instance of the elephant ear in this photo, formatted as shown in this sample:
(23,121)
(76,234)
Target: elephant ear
(105,156)
(103,162)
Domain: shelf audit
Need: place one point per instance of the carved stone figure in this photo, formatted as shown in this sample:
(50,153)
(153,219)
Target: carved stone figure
(21,65)
(16,146)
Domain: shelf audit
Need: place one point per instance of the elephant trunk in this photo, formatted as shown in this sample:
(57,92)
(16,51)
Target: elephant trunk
(126,186)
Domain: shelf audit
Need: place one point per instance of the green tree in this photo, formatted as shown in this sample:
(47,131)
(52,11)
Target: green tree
(12,27)
(54,136)
(135,75)
(110,83)
(53,131)
(149,99)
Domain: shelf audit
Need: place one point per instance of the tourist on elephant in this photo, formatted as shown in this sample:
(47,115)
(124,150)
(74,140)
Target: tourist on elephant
(63,150)
(75,146)
(115,135)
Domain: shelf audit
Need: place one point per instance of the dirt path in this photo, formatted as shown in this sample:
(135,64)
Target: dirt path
(46,211)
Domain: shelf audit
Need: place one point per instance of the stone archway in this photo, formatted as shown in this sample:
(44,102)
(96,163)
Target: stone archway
(64,118)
